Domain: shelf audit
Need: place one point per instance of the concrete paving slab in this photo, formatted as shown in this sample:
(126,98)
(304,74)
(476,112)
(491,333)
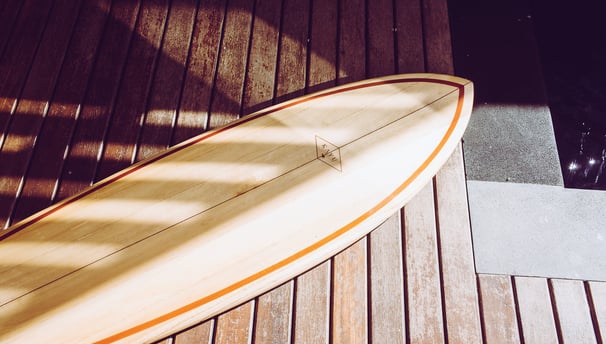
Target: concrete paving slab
(512,143)
(538,230)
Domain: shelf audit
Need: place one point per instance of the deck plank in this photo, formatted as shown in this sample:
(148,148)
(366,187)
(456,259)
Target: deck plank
(24,94)
(409,37)
(18,56)
(349,295)
(46,162)
(127,116)
(163,100)
(423,298)
(95,112)
(273,315)
(380,52)
(499,316)
(323,45)
(598,299)
(536,313)
(201,70)
(9,14)
(235,326)
(260,78)
(292,59)
(311,318)
(227,94)
(352,41)
(573,313)
(199,334)
(461,305)
(436,35)
(387,323)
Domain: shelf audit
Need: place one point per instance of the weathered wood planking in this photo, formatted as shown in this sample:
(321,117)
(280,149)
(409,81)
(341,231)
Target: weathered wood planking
(157,125)
(25,106)
(574,318)
(536,312)
(95,110)
(47,160)
(424,295)
(312,305)
(597,292)
(386,281)
(9,14)
(460,296)
(273,315)
(231,69)
(499,318)
(193,111)
(124,130)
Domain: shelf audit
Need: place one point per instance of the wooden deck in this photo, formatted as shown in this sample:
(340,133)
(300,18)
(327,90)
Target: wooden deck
(89,87)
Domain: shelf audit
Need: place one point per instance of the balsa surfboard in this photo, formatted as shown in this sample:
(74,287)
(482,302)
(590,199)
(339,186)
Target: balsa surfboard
(227,215)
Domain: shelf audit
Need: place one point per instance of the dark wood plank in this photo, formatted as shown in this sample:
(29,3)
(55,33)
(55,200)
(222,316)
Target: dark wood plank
(323,45)
(461,305)
(39,189)
(436,34)
(87,142)
(387,323)
(126,119)
(409,37)
(17,60)
(273,315)
(292,59)
(261,72)
(350,295)
(227,94)
(15,65)
(311,318)
(380,46)
(423,297)
(9,14)
(352,41)
(163,100)
(32,107)
(192,117)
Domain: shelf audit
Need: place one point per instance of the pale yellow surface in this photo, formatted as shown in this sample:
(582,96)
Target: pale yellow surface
(216,211)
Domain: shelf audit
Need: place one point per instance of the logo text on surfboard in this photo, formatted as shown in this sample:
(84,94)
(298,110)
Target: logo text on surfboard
(328,153)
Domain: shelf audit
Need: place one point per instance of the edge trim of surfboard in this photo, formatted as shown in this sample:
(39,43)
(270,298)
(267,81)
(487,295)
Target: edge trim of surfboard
(463,104)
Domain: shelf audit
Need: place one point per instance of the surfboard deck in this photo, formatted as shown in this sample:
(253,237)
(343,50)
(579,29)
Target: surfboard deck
(227,215)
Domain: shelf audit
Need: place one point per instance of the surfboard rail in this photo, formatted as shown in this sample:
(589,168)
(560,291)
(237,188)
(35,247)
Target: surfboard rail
(299,181)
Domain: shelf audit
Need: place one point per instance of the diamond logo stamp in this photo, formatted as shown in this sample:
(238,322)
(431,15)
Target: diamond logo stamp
(328,153)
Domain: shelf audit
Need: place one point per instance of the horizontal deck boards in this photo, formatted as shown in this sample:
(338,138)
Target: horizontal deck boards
(89,87)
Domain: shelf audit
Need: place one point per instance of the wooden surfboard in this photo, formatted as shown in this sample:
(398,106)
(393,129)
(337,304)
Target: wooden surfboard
(227,215)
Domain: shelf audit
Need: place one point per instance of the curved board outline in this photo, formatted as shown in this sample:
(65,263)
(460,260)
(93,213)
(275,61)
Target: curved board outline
(458,87)
(334,235)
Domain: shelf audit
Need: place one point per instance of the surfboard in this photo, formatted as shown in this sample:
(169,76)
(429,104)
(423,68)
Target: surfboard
(227,215)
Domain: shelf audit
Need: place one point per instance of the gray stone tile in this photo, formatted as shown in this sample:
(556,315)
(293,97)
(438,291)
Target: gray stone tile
(538,230)
(512,143)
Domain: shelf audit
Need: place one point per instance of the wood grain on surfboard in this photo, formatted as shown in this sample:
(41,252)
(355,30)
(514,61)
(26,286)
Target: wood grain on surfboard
(229,214)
